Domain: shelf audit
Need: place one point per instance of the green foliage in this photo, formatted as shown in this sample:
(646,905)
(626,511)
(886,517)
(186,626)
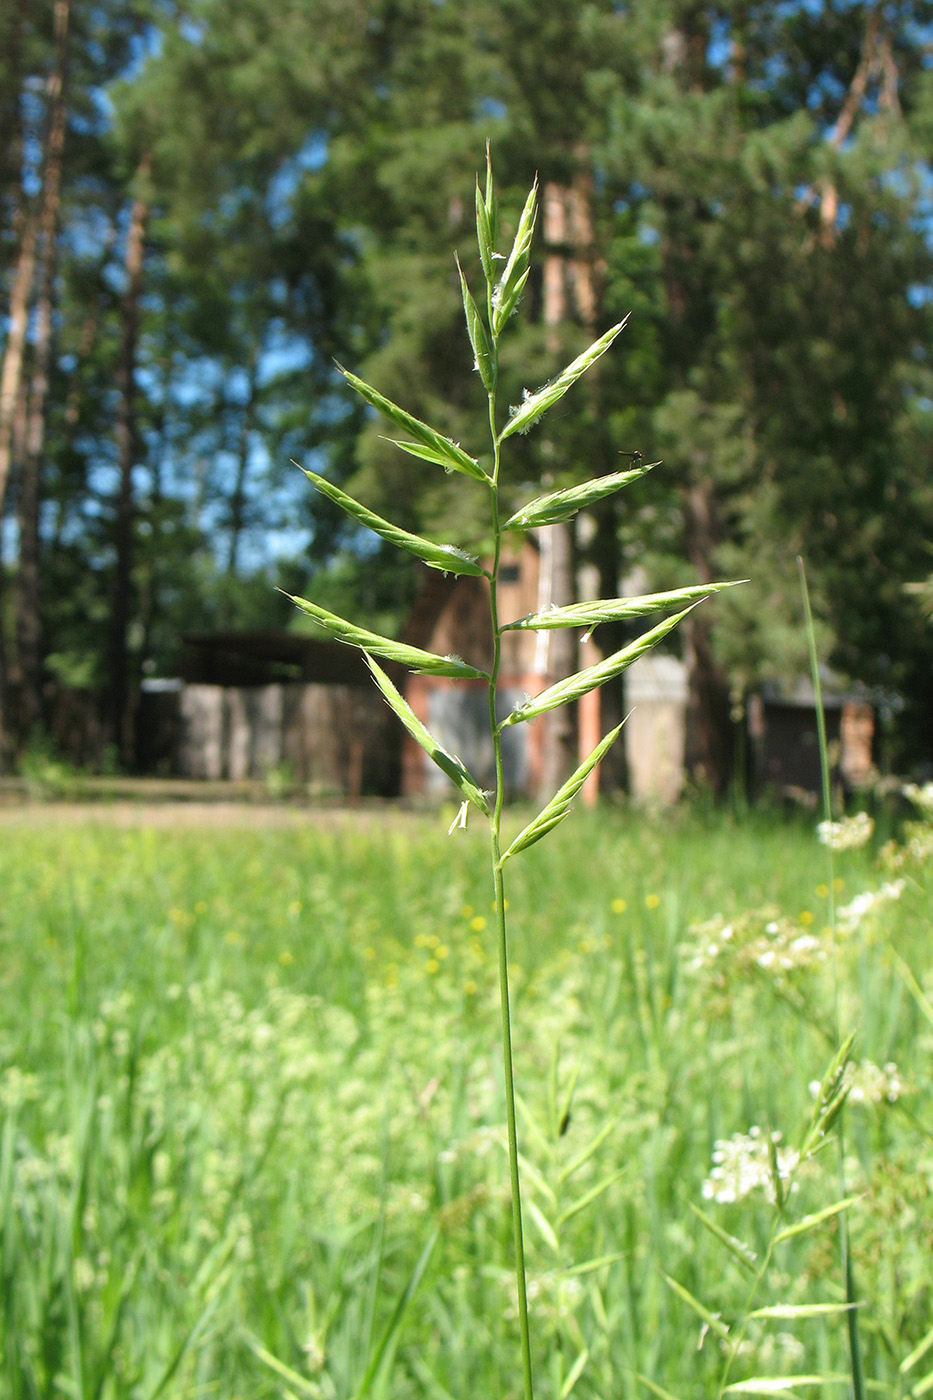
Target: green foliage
(748,182)
(424,662)
(205,1039)
(792,410)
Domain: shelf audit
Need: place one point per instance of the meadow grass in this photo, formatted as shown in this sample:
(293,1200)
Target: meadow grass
(253,1107)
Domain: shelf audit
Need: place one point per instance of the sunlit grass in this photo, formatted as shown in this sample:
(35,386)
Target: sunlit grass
(246,1073)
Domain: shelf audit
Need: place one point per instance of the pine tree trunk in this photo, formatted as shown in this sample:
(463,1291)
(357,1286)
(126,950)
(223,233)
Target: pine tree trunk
(148,604)
(22,426)
(568,294)
(604,552)
(28,618)
(34,225)
(26,597)
(120,698)
(11,373)
(708,755)
(11,726)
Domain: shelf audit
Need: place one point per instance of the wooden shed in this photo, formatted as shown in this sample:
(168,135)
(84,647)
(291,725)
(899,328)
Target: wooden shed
(249,703)
(784,753)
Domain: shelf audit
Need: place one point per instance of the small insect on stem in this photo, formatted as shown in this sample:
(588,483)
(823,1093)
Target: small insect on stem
(636,457)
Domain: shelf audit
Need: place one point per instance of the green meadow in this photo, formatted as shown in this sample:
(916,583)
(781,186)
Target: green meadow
(253,1135)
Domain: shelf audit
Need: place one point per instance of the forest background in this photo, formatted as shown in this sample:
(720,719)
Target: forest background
(204,207)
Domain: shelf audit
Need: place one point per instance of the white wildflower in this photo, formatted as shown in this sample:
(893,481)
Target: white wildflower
(742,1164)
(869,902)
(763,939)
(869,1083)
(917,847)
(848,833)
(785,947)
(773,1350)
(921,797)
(555,1296)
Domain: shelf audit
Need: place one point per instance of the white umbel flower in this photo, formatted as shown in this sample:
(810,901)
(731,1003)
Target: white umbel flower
(742,1164)
(848,833)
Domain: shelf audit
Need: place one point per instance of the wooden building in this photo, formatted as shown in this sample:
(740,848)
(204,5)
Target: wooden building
(784,752)
(248,704)
(451,617)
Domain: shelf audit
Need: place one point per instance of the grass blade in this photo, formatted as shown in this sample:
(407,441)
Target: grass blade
(780,1385)
(924,1005)
(560,804)
(590,1196)
(425,662)
(918,1353)
(209,1280)
(447,762)
(810,1222)
(855,1344)
(655,1389)
(579,684)
(791,1311)
(304,1387)
(575,1372)
(527,413)
(429,443)
(737,1248)
(544,1225)
(437,556)
(589,1266)
(390,1335)
(591,614)
(589,1151)
(536,1132)
(562,505)
(530,1171)
(714,1323)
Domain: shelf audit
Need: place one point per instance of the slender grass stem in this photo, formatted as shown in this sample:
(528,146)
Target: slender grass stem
(845,1257)
(514,1182)
(501,929)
